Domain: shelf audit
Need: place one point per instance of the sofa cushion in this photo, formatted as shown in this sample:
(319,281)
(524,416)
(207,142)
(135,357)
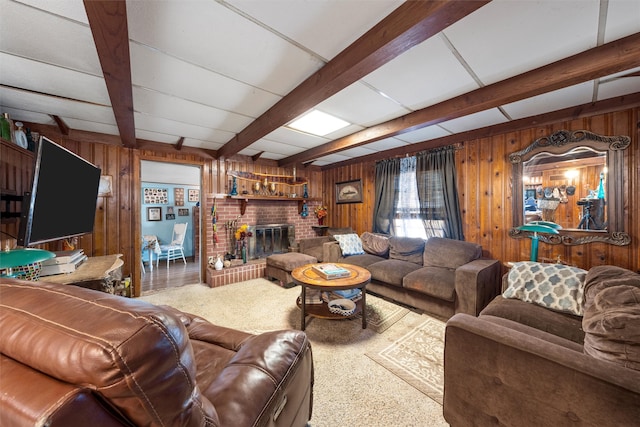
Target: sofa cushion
(557,323)
(554,286)
(406,249)
(612,326)
(605,276)
(363,260)
(350,244)
(375,244)
(391,271)
(449,253)
(437,282)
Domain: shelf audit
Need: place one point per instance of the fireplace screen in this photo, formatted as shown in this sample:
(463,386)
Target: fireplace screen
(270,239)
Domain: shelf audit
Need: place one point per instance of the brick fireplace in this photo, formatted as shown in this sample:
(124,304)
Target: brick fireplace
(262,213)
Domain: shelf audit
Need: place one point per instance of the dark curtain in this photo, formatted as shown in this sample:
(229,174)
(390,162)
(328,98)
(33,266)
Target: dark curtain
(438,191)
(387,174)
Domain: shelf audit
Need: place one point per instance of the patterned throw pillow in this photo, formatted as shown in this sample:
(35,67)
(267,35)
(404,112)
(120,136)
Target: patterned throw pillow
(350,244)
(555,286)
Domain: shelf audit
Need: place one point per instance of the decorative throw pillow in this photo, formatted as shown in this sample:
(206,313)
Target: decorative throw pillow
(375,244)
(555,286)
(350,244)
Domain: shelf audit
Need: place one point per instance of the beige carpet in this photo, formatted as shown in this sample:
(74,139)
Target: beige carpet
(350,388)
(417,357)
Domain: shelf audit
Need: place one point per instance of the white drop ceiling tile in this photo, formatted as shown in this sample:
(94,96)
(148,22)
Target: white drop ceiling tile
(163,73)
(348,130)
(474,121)
(55,105)
(359,104)
(332,158)
(275,147)
(272,156)
(156,137)
(72,9)
(32,33)
(386,144)
(219,39)
(18,114)
(169,107)
(623,19)
(424,134)
(618,87)
(551,101)
(425,75)
(44,78)
(358,151)
(91,126)
(180,129)
(505,37)
(197,143)
(325,27)
(295,138)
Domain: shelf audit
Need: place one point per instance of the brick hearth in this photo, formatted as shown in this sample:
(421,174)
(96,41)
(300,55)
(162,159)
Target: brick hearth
(253,269)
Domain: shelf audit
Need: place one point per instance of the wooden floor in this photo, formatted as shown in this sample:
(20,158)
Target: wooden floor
(178,274)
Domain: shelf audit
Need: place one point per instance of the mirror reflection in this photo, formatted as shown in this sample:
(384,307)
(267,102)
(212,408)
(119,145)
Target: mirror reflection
(569,189)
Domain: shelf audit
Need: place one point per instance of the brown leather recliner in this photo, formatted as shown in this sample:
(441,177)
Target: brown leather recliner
(77,357)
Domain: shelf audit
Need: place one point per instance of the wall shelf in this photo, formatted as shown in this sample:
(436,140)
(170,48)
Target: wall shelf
(245,198)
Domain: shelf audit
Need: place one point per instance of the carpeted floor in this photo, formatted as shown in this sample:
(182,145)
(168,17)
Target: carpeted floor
(353,386)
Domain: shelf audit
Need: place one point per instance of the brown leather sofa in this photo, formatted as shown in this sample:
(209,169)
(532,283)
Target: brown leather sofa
(77,357)
(522,364)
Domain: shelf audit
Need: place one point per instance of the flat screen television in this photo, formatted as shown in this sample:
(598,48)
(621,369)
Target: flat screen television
(63,198)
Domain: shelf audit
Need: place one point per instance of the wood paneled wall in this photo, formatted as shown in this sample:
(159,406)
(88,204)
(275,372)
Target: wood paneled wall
(485,188)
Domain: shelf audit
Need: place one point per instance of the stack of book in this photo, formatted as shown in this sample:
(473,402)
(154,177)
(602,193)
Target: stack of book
(352,294)
(331,271)
(313,296)
(63,262)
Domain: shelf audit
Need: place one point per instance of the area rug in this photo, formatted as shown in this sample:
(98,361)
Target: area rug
(381,314)
(417,358)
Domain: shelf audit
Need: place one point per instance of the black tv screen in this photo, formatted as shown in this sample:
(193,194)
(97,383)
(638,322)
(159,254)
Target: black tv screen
(63,198)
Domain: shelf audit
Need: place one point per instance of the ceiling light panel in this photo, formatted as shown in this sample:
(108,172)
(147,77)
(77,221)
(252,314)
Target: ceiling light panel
(318,123)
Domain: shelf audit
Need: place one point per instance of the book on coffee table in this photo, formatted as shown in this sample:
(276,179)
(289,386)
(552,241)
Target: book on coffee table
(331,271)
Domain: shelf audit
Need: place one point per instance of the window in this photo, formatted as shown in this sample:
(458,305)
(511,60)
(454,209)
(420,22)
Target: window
(408,221)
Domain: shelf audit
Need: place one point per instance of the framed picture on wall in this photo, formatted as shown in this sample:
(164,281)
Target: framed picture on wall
(194,195)
(156,196)
(154,214)
(183,212)
(178,195)
(170,216)
(349,191)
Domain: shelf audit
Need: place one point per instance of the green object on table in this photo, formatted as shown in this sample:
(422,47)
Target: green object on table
(539,227)
(24,256)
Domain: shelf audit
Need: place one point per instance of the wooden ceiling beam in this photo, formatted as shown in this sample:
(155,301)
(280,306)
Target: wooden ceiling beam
(610,58)
(64,128)
(108,22)
(410,24)
(567,114)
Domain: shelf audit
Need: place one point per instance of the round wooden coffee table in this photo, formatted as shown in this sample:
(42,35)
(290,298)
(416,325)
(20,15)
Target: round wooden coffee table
(307,277)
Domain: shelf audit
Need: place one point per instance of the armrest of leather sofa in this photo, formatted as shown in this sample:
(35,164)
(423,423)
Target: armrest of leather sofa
(476,284)
(304,245)
(498,375)
(268,382)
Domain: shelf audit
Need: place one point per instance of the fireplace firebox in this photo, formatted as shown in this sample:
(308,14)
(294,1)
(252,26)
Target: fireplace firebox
(270,239)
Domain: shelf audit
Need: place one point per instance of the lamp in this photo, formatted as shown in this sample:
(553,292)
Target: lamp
(19,257)
(539,227)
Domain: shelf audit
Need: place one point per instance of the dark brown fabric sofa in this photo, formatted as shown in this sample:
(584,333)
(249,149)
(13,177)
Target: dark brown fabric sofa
(439,276)
(522,364)
(77,357)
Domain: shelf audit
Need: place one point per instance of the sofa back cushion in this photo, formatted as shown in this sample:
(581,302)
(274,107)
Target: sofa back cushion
(554,286)
(611,319)
(136,355)
(375,244)
(449,253)
(612,326)
(406,249)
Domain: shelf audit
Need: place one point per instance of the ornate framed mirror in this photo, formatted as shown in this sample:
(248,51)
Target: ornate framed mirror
(574,179)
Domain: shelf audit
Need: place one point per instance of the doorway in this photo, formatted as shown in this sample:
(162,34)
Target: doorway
(170,194)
